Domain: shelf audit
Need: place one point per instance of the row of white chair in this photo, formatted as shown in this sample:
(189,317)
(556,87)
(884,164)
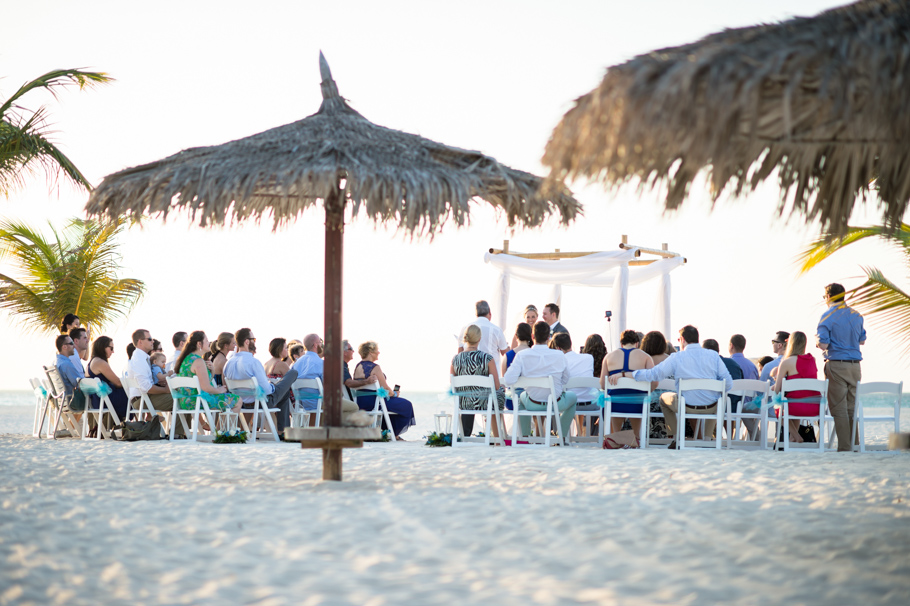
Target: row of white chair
(754,422)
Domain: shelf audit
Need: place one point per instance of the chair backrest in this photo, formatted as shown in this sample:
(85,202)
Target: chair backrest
(178,382)
(630,383)
(667,384)
(35,383)
(702,384)
(819,385)
(308,384)
(57,388)
(245,388)
(89,385)
(874,387)
(585,388)
(537,382)
(128,383)
(462,381)
(741,386)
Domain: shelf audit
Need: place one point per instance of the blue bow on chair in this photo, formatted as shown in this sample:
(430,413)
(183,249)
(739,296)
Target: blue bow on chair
(102,389)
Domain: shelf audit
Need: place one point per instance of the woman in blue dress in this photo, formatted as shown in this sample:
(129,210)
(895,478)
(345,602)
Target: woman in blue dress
(623,362)
(401,411)
(99,368)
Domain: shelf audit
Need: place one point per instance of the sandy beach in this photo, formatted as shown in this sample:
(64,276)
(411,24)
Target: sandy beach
(154,522)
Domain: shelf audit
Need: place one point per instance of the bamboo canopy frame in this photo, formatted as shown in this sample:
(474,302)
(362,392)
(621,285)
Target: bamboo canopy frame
(337,156)
(822,101)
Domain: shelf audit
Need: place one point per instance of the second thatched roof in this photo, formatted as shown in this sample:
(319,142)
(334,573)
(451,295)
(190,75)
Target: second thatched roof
(822,100)
(396,177)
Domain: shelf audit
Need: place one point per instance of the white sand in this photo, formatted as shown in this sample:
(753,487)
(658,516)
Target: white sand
(153,522)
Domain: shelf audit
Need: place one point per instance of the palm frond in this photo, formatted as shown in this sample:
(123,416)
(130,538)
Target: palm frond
(55,79)
(74,271)
(826,245)
(885,304)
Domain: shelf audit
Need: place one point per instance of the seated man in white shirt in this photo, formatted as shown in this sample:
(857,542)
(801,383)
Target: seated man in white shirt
(139,370)
(693,362)
(580,365)
(243,365)
(541,361)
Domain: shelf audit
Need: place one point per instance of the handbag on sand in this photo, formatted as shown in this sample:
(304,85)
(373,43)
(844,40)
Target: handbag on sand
(134,431)
(621,440)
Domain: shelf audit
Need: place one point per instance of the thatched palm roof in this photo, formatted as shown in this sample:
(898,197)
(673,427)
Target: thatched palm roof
(822,100)
(397,177)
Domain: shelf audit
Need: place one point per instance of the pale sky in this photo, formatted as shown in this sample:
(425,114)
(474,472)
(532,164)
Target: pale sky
(491,76)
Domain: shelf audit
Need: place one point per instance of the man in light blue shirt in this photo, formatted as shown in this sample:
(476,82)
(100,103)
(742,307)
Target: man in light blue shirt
(65,349)
(840,333)
(736,349)
(693,362)
(243,365)
(310,366)
(779,346)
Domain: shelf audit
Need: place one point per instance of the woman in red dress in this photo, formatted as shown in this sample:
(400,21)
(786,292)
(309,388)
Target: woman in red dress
(797,364)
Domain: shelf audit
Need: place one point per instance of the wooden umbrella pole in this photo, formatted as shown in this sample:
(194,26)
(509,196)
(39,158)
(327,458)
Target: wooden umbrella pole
(334,356)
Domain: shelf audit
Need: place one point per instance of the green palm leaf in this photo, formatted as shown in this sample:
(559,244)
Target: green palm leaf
(825,246)
(25,143)
(74,271)
(886,305)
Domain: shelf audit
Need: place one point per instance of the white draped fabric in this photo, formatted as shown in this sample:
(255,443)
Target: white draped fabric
(605,270)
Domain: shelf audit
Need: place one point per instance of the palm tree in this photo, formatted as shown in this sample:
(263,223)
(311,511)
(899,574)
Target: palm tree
(24,134)
(878,297)
(74,271)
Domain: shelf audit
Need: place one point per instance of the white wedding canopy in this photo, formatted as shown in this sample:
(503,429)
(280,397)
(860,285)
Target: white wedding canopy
(602,269)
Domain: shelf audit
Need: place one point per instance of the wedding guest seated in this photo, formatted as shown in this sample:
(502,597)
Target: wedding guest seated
(179,341)
(472,361)
(595,346)
(763,362)
(521,340)
(296,352)
(224,344)
(309,366)
(156,346)
(139,370)
(80,349)
(276,367)
(191,364)
(735,370)
(99,368)
(401,411)
(655,345)
(797,364)
(243,365)
(65,348)
(580,365)
(159,363)
(70,321)
(623,362)
(349,381)
(540,361)
(130,348)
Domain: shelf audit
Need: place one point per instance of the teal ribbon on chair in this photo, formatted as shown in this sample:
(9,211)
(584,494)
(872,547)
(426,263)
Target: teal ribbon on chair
(245,392)
(603,397)
(188,392)
(43,391)
(89,389)
(778,399)
(299,394)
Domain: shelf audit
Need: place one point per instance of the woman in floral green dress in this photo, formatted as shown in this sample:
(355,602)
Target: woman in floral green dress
(191,364)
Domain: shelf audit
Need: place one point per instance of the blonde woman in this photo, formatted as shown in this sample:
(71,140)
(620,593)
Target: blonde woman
(797,364)
(530,316)
(472,361)
(401,410)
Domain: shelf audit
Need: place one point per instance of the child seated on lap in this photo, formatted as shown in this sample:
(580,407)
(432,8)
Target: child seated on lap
(159,360)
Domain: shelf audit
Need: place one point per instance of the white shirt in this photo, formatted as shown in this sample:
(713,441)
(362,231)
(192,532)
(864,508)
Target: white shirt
(243,365)
(140,370)
(492,340)
(694,362)
(539,361)
(581,365)
(170,365)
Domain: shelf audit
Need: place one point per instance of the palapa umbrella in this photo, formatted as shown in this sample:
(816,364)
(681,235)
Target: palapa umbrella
(823,100)
(338,156)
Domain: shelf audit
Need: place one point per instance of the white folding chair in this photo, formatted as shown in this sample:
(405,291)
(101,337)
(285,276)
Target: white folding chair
(42,393)
(550,413)
(380,411)
(308,391)
(58,405)
(145,403)
(759,392)
(860,419)
(105,407)
(819,385)
(476,386)
(250,387)
(644,400)
(683,415)
(201,407)
(592,385)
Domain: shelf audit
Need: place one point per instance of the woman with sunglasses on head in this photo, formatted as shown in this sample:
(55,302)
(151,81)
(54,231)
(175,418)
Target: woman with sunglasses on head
(100,368)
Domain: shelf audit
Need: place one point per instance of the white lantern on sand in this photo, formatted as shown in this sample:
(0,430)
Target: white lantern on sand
(227,422)
(443,423)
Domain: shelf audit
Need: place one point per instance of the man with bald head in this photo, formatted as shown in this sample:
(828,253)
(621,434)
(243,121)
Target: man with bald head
(310,366)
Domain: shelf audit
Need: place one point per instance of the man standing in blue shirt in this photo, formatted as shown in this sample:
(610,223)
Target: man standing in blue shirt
(840,333)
